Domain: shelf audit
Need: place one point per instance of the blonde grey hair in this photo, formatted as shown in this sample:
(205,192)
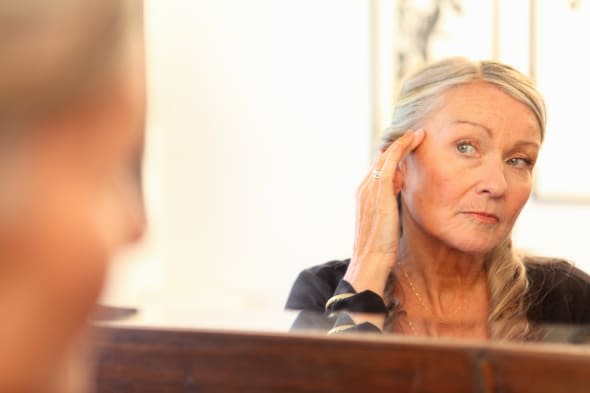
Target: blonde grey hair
(51,51)
(420,91)
(506,272)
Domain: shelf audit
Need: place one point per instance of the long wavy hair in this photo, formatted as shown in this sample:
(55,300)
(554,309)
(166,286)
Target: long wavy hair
(506,273)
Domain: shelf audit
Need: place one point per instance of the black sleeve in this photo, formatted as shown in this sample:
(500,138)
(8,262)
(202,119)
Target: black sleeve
(559,293)
(310,292)
(315,286)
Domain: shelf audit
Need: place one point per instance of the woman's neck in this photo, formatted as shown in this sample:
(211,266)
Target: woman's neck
(438,276)
(438,265)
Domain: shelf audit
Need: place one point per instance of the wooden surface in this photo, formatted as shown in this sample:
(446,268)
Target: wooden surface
(149,360)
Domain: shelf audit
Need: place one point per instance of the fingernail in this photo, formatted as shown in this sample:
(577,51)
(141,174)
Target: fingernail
(420,131)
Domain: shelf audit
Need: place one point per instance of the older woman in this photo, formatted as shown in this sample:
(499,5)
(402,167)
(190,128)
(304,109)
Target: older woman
(432,253)
(71,135)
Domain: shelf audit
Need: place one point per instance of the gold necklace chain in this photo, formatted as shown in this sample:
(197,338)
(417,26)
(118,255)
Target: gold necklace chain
(418,297)
(415,291)
(420,300)
(411,325)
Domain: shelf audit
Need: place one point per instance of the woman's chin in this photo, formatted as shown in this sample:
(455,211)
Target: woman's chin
(474,246)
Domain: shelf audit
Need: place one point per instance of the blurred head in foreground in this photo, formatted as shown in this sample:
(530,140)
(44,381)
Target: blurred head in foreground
(72,105)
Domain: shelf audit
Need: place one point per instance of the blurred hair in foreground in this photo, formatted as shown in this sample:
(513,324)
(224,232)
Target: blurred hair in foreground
(72,108)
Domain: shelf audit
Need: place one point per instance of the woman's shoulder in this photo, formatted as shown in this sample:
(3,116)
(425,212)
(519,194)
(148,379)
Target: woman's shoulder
(315,285)
(551,272)
(559,292)
(328,270)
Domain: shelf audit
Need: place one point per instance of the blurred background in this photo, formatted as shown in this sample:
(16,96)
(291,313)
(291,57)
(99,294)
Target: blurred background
(264,116)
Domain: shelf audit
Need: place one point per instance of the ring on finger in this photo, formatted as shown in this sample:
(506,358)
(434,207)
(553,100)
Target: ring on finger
(377,174)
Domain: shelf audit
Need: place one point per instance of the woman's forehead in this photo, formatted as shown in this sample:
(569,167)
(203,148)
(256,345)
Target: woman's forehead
(487,106)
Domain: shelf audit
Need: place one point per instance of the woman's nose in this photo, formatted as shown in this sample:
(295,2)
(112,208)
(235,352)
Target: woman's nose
(493,178)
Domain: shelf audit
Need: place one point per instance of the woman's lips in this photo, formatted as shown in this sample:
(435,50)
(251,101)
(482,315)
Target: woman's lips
(486,218)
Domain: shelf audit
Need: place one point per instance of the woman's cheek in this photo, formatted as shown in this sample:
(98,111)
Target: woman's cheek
(518,194)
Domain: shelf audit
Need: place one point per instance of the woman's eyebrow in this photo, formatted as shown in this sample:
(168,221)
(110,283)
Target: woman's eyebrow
(471,123)
(520,143)
(524,143)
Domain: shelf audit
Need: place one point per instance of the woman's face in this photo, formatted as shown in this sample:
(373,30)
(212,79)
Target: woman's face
(467,182)
(71,197)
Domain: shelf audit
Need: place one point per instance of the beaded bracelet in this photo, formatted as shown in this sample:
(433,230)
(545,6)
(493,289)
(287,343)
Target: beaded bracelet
(348,300)
(337,298)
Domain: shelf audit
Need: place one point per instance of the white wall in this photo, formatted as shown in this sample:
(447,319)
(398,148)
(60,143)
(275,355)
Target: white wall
(549,227)
(258,133)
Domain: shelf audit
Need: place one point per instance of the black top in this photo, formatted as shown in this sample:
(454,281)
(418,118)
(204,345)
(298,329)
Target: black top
(558,292)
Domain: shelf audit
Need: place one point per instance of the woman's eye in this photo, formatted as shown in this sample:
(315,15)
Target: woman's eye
(519,162)
(465,148)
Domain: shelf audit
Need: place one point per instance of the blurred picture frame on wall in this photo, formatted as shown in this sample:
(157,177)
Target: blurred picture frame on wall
(407,34)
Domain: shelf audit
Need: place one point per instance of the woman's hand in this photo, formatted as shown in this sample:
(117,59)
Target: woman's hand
(377,220)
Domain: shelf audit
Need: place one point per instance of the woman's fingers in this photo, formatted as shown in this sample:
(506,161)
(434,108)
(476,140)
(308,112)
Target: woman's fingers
(398,178)
(386,189)
(377,221)
(377,210)
(399,149)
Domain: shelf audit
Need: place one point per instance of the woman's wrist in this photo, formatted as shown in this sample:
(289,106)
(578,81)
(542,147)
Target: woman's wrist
(368,274)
